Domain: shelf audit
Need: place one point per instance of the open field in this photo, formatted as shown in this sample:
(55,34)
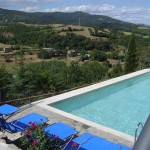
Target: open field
(60,27)
(57,25)
(13,64)
(113,61)
(146,37)
(4,45)
(85,32)
(144,28)
(127,33)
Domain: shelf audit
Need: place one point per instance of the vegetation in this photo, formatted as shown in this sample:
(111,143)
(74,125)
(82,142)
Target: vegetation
(132,57)
(116,71)
(98,57)
(144,59)
(49,77)
(44,54)
(5,77)
(43,37)
(34,138)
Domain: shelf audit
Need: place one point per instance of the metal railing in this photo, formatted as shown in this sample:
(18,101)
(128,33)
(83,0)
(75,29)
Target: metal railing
(136,131)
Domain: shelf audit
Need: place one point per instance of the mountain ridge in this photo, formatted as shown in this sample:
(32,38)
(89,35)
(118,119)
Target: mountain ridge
(86,19)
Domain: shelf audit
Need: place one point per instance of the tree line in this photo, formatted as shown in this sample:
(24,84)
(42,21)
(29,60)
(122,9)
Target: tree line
(49,77)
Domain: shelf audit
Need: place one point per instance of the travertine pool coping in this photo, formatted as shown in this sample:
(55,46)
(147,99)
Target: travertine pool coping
(45,104)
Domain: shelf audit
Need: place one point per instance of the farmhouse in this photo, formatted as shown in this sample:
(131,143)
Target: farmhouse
(7,50)
(72,53)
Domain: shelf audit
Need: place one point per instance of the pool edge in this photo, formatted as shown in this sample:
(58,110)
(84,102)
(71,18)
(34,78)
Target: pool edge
(44,104)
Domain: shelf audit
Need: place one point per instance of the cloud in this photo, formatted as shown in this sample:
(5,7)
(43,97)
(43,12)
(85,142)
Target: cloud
(30,1)
(24,5)
(30,9)
(24,1)
(17,4)
(86,8)
(131,14)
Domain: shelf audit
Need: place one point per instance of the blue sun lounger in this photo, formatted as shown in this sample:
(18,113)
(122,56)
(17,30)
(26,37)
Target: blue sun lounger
(79,140)
(7,109)
(22,123)
(60,130)
(88,141)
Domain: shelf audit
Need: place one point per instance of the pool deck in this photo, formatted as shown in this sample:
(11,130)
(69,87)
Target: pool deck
(54,117)
(82,125)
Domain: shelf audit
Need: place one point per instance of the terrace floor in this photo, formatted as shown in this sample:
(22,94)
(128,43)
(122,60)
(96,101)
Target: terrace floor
(53,117)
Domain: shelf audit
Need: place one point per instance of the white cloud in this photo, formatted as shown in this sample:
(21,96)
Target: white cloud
(30,9)
(86,8)
(23,3)
(30,1)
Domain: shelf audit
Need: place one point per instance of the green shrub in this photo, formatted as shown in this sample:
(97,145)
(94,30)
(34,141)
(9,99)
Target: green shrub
(34,138)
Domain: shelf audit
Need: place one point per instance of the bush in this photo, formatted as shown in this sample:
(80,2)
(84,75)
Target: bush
(34,138)
(98,55)
(43,54)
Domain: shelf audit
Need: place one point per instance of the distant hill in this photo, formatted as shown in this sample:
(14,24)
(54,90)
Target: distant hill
(61,18)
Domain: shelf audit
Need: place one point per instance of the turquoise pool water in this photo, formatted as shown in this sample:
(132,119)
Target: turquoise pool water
(120,106)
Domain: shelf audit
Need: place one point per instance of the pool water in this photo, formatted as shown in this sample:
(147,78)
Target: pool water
(120,106)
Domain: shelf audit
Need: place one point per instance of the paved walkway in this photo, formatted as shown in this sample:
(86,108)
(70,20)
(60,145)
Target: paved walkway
(53,117)
(4,146)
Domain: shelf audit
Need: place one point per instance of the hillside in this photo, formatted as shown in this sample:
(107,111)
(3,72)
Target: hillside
(61,18)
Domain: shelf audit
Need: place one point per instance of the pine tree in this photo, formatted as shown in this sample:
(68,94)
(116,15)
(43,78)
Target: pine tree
(132,58)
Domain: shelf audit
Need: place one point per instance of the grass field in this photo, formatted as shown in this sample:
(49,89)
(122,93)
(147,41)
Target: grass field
(144,28)
(4,45)
(127,33)
(13,64)
(85,32)
(146,37)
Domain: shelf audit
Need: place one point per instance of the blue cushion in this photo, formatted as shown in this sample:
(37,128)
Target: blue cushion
(63,131)
(8,109)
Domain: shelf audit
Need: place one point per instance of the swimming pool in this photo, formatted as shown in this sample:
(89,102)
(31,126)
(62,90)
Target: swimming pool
(120,106)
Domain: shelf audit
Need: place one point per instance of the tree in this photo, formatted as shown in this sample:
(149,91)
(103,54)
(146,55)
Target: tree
(132,59)
(93,71)
(74,74)
(116,71)
(43,54)
(5,77)
(98,55)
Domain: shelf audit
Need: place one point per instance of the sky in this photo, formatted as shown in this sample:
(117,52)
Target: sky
(135,11)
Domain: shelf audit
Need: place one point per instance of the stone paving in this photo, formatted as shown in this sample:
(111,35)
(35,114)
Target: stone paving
(53,117)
